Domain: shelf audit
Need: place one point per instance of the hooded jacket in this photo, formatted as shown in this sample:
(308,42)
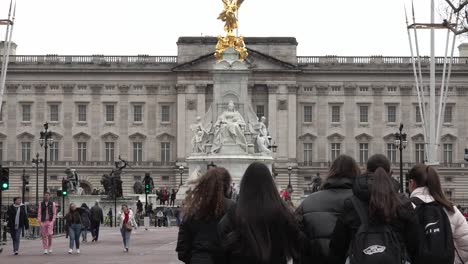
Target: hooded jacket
(318,214)
(457,222)
(405,225)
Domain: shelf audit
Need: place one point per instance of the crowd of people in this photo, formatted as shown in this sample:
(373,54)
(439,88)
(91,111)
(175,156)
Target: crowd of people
(356,217)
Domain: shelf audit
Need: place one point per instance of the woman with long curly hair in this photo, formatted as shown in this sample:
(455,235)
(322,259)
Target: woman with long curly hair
(204,206)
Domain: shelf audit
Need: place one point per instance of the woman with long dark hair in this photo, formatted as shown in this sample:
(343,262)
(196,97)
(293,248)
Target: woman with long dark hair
(320,210)
(260,228)
(204,206)
(375,194)
(73,227)
(425,185)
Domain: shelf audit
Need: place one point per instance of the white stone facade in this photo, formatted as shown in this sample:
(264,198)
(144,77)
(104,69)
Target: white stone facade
(316,108)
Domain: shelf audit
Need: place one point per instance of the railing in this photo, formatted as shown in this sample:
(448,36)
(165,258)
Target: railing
(94,59)
(373,60)
(92,163)
(395,165)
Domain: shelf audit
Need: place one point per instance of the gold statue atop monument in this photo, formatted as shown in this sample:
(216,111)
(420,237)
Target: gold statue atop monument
(231,23)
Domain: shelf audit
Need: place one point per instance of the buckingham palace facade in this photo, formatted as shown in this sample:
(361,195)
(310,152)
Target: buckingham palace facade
(141,107)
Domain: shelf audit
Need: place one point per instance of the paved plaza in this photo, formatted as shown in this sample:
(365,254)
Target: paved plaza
(157,245)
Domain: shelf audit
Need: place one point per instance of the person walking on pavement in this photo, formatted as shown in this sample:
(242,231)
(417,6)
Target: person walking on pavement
(109,215)
(47,213)
(173,197)
(97,219)
(17,220)
(73,227)
(86,220)
(127,223)
(168,214)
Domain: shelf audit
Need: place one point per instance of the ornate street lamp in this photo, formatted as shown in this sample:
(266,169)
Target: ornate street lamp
(272,146)
(45,141)
(290,188)
(401,143)
(36,162)
(181,171)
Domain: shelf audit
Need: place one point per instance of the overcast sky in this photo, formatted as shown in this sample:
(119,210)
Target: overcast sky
(131,27)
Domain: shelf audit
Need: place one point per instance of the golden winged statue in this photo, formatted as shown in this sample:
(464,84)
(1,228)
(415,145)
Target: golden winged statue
(229,17)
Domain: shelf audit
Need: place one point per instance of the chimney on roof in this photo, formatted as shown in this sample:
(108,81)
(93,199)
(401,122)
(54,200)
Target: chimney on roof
(12,48)
(463,50)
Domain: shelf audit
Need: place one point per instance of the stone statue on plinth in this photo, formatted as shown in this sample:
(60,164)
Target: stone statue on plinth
(229,129)
(113,183)
(262,143)
(72,180)
(200,136)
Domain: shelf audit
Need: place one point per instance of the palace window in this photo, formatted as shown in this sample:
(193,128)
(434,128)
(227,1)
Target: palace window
(391,152)
(110,113)
(26,112)
(165,113)
(137,113)
(54,151)
(25,151)
(363,152)
(82,112)
(137,151)
(81,151)
(109,149)
(335,150)
(54,112)
(448,114)
(260,111)
(308,153)
(419,153)
(336,115)
(363,113)
(391,113)
(448,153)
(165,152)
(307,113)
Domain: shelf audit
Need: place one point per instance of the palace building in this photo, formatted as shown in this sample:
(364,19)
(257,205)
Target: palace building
(141,107)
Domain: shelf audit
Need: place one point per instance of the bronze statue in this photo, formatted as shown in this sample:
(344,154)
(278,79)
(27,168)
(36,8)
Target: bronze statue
(113,183)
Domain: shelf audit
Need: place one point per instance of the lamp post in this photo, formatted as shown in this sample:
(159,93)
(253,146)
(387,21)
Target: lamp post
(271,146)
(401,143)
(36,162)
(290,188)
(181,171)
(45,141)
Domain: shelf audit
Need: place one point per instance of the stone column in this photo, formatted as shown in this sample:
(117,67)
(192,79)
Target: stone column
(13,110)
(201,91)
(378,125)
(149,147)
(272,111)
(292,119)
(350,120)
(68,119)
(122,122)
(96,122)
(323,122)
(181,121)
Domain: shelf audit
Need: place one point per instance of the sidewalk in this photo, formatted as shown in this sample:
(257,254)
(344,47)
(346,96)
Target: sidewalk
(157,245)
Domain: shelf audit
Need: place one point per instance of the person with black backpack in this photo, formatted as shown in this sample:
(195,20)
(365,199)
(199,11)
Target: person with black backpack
(376,226)
(443,228)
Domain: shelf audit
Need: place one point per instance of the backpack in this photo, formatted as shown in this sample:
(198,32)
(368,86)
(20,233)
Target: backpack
(374,242)
(437,240)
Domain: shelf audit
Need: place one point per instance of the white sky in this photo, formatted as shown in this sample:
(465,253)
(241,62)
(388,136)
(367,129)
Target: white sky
(131,27)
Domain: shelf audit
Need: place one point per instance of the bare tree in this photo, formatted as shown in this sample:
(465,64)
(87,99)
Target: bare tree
(456,16)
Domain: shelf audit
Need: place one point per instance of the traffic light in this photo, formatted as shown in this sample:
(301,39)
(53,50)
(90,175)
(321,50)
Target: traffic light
(147,185)
(64,188)
(25,183)
(466,154)
(4,179)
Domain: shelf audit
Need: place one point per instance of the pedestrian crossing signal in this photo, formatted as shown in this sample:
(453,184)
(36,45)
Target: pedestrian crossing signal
(147,188)
(4,178)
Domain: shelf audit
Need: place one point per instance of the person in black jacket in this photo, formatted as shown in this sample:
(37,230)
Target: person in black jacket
(378,193)
(197,240)
(17,220)
(97,218)
(320,210)
(86,219)
(261,228)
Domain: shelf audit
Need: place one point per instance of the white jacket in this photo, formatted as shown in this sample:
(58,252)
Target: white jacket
(131,218)
(457,222)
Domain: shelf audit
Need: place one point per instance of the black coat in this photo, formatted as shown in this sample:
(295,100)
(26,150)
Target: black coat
(318,214)
(96,215)
(198,241)
(23,218)
(406,225)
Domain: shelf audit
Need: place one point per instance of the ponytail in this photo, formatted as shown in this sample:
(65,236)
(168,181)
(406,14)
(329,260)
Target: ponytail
(384,201)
